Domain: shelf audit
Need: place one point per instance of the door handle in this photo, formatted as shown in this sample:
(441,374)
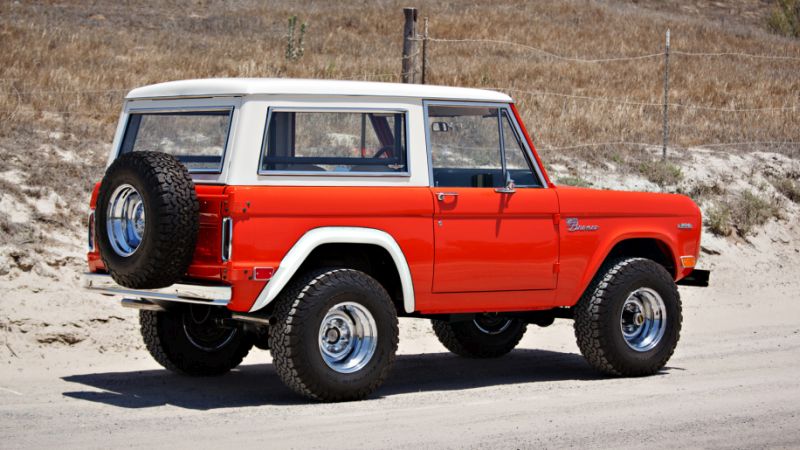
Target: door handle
(441,195)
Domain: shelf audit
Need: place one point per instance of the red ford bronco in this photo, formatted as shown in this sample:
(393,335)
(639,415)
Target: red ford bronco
(306,216)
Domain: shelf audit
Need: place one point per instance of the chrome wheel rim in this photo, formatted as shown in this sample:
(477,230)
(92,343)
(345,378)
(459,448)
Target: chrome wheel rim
(203,330)
(643,319)
(491,324)
(348,337)
(125,220)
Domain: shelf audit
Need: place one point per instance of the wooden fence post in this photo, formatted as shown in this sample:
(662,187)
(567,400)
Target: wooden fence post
(666,98)
(409,39)
(425,50)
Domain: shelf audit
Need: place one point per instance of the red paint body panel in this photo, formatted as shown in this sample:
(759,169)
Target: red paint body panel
(620,216)
(486,241)
(93,257)
(207,262)
(267,221)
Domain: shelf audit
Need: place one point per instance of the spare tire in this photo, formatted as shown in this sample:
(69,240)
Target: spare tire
(146,220)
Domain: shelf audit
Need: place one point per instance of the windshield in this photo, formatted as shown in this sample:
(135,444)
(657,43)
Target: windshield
(195,138)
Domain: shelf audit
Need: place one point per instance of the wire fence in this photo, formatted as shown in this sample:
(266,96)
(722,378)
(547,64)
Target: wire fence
(605,59)
(791,107)
(8,89)
(619,101)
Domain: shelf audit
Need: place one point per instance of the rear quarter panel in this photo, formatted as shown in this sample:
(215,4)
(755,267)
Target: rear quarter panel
(269,220)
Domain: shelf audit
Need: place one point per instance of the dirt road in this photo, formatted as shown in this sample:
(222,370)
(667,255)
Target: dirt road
(734,382)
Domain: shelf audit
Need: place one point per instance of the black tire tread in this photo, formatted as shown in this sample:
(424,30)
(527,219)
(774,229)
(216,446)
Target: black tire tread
(161,350)
(291,308)
(594,306)
(464,345)
(177,225)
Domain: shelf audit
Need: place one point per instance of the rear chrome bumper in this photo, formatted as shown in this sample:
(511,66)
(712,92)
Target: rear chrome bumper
(183,293)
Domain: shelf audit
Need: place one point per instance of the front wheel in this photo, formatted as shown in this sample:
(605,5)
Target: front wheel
(335,335)
(191,340)
(629,320)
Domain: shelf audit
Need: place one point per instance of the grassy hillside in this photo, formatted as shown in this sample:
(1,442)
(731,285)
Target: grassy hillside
(66,65)
(55,52)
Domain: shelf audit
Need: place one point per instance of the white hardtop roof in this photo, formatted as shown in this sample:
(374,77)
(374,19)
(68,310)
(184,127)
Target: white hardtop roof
(277,86)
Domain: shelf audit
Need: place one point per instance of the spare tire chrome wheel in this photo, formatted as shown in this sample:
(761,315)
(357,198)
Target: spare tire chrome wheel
(125,221)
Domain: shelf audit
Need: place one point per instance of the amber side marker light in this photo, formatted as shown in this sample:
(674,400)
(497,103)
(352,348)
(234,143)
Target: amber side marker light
(688,261)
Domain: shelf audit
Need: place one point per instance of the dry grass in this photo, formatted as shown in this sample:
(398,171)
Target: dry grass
(52,51)
(66,65)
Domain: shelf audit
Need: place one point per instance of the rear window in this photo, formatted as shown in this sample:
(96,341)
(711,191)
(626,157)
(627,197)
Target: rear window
(197,138)
(335,142)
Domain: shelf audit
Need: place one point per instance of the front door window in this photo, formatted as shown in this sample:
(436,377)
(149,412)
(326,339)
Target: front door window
(473,146)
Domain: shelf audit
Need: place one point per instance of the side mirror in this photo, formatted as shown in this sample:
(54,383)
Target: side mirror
(441,126)
(510,188)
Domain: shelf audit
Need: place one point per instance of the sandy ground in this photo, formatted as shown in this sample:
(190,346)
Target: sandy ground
(79,377)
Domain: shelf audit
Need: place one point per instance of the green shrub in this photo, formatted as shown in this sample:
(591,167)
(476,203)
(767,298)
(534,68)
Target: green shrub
(785,18)
(574,181)
(752,211)
(660,172)
(294,40)
(718,220)
(787,187)
(742,214)
(704,191)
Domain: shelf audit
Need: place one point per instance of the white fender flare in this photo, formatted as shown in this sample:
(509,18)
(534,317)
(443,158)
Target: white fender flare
(336,235)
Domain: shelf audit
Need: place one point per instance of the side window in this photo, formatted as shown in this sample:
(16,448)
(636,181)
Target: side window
(517,162)
(467,149)
(465,146)
(334,141)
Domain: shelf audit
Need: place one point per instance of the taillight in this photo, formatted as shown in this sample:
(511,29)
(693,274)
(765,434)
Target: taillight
(90,231)
(227,238)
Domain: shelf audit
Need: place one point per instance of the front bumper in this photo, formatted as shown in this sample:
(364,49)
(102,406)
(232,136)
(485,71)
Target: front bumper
(181,293)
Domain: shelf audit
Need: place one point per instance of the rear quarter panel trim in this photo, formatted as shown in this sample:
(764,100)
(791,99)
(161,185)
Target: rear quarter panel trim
(336,235)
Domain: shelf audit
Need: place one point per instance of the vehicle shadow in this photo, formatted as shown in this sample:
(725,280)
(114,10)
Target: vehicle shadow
(258,384)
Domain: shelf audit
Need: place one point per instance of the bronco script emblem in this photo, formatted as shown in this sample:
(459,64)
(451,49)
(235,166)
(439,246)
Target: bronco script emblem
(573,225)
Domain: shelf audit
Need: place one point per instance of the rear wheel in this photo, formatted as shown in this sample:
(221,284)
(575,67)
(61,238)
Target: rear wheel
(336,335)
(486,336)
(192,340)
(628,322)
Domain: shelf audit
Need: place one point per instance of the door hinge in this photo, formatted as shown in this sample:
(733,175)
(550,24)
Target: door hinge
(556,219)
(556,267)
